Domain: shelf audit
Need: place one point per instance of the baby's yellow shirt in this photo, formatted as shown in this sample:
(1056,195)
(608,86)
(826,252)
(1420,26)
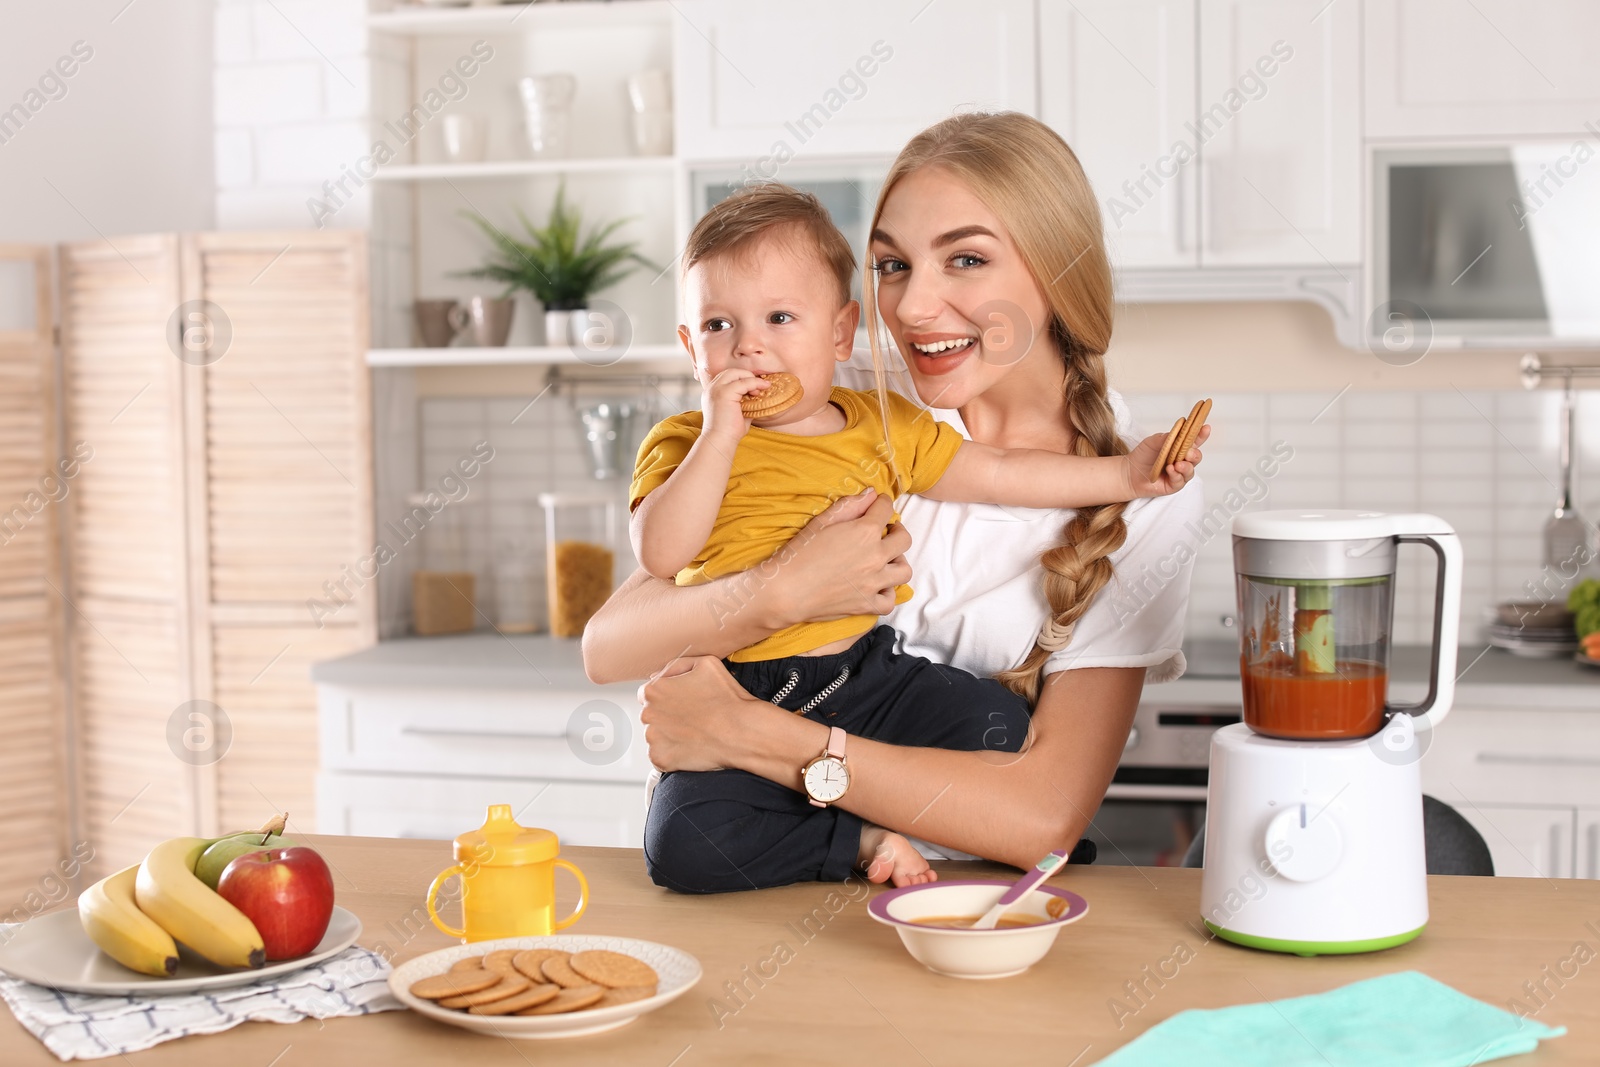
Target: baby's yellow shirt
(780,481)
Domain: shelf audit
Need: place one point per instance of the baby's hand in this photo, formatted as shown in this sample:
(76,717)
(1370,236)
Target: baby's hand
(1174,476)
(720,403)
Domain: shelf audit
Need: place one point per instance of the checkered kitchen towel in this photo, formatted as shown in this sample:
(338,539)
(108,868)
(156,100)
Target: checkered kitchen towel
(82,1026)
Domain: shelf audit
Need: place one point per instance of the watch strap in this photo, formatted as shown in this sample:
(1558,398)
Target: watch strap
(836,738)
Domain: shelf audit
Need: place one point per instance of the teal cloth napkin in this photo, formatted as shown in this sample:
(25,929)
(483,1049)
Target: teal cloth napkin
(1398,1020)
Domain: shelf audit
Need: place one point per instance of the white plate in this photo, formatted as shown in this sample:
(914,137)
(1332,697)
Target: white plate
(53,951)
(678,972)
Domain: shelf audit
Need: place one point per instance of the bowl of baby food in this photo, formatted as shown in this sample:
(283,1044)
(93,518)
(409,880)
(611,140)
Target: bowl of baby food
(935,920)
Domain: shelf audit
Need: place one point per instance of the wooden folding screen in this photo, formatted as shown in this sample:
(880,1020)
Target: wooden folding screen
(225,374)
(34,830)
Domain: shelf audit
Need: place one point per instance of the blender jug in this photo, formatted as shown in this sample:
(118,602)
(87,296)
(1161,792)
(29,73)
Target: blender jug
(1316,604)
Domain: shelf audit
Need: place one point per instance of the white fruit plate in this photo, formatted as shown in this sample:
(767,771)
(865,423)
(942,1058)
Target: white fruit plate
(52,950)
(677,970)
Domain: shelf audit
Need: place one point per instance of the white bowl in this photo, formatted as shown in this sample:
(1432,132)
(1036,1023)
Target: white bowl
(962,953)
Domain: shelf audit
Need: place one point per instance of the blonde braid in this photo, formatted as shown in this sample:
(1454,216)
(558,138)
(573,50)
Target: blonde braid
(1080,565)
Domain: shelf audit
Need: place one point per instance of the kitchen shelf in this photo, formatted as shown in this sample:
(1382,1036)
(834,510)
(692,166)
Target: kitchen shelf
(479,357)
(415,20)
(514,168)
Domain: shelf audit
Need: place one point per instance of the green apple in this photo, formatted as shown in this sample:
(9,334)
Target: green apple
(208,868)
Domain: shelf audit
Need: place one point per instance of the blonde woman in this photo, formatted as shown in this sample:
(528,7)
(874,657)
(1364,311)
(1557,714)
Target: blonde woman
(990,273)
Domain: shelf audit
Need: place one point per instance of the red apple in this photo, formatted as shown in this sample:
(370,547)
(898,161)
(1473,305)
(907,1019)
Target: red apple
(286,892)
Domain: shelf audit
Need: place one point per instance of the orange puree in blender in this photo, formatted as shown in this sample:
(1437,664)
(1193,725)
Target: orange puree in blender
(1282,701)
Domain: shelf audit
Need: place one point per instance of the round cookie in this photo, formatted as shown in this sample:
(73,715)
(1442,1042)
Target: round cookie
(506,985)
(1191,431)
(1173,437)
(626,995)
(453,984)
(612,969)
(582,996)
(527,962)
(531,997)
(556,969)
(471,963)
(784,393)
(499,961)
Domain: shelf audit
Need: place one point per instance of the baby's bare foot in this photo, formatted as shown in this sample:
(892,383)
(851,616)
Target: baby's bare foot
(890,857)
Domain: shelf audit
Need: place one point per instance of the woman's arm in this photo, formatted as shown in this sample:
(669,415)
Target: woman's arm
(1011,807)
(846,561)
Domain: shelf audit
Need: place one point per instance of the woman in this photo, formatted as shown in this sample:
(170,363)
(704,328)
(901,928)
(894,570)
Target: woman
(992,278)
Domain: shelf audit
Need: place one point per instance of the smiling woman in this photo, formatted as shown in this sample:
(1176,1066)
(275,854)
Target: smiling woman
(993,281)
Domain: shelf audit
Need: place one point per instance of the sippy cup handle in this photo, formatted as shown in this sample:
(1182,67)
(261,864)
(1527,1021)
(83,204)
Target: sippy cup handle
(433,892)
(583,896)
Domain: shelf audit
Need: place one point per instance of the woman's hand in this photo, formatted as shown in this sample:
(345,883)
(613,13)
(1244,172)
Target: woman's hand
(846,561)
(691,710)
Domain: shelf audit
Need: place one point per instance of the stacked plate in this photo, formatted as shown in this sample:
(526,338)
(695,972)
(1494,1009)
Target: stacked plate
(1543,642)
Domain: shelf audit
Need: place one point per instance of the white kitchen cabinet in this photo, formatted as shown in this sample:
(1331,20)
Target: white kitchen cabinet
(440,807)
(841,77)
(420,735)
(1280,123)
(1528,842)
(1480,68)
(1117,80)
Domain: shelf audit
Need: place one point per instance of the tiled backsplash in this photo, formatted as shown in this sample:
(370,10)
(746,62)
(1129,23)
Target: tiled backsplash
(498,530)
(1486,462)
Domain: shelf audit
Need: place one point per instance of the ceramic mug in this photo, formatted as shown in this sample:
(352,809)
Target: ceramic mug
(438,321)
(489,320)
(466,138)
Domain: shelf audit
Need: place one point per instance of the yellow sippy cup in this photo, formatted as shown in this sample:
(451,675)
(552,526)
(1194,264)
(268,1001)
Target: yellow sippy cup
(508,881)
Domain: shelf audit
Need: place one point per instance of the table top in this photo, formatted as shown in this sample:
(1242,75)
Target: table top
(846,991)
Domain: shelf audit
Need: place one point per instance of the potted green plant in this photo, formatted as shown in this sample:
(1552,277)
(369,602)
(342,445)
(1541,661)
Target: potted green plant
(557,263)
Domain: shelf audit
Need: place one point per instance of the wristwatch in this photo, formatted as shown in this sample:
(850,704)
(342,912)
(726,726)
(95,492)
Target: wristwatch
(826,778)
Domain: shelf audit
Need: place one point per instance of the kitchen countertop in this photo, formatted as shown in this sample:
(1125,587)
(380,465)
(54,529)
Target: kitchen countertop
(1488,677)
(847,991)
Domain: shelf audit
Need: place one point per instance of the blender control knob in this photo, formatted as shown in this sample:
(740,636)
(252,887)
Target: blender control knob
(1304,843)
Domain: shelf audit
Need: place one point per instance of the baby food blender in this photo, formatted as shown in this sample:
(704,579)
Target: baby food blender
(1314,808)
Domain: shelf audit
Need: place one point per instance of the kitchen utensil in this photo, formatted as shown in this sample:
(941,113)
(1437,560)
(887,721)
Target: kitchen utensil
(1534,643)
(1024,885)
(1314,839)
(489,320)
(52,950)
(465,137)
(965,952)
(1571,542)
(1315,605)
(547,113)
(508,874)
(608,428)
(580,536)
(677,970)
(438,321)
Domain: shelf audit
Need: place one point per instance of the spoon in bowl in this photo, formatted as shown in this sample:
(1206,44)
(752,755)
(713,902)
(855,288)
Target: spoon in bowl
(1024,885)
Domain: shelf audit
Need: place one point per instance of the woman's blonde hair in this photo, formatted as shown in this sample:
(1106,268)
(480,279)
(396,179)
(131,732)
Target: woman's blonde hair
(1024,172)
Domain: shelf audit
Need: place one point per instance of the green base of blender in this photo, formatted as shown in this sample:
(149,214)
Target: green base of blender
(1313,948)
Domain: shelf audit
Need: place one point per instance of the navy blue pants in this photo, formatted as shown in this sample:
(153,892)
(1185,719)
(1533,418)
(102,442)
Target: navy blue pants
(718,831)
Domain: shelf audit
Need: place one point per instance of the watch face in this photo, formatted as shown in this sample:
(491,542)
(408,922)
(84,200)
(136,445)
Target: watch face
(827,779)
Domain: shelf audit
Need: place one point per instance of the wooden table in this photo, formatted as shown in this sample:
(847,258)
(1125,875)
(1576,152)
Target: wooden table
(848,992)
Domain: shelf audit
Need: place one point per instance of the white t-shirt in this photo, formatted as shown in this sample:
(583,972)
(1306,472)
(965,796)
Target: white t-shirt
(979,596)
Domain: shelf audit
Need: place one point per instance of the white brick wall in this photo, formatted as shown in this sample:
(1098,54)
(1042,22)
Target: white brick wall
(292,107)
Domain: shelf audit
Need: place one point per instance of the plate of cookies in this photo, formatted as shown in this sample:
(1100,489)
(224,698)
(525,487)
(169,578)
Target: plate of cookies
(565,985)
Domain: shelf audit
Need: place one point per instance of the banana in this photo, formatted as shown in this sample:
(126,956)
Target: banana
(114,922)
(167,890)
